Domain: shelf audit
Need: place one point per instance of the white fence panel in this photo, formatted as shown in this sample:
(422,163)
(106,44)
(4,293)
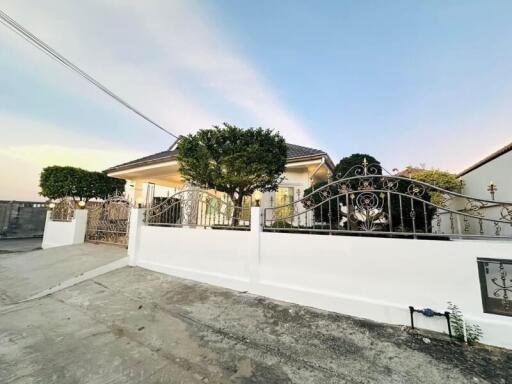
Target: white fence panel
(212,256)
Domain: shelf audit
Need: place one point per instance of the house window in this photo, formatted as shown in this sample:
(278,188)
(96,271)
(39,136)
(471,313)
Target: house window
(496,285)
(284,202)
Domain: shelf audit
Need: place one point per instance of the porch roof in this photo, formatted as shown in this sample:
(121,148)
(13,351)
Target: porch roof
(295,153)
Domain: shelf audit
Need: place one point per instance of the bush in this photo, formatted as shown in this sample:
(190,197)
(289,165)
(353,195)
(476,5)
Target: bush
(473,331)
(58,182)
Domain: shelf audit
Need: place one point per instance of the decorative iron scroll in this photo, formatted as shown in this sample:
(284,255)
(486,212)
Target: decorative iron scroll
(63,210)
(108,221)
(365,201)
(197,208)
(496,285)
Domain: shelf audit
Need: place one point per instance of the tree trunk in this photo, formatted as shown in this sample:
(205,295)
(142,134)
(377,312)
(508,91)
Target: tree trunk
(237,209)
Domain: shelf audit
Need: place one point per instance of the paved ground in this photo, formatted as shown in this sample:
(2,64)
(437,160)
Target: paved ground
(136,326)
(23,275)
(19,245)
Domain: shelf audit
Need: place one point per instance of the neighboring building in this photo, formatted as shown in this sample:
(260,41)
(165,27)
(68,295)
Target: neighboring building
(495,168)
(158,175)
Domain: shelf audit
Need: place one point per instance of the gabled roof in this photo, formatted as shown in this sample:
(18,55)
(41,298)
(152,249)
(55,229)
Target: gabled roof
(485,160)
(295,153)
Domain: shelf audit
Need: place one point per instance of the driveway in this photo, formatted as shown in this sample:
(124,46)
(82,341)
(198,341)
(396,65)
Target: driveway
(136,326)
(23,275)
(20,245)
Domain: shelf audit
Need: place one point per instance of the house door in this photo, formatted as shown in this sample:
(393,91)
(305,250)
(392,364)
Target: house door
(108,221)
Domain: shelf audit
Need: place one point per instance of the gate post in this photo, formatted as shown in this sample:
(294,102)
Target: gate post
(254,247)
(59,233)
(136,223)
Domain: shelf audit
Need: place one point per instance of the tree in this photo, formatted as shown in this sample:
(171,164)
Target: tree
(356,159)
(441,179)
(233,160)
(345,168)
(58,182)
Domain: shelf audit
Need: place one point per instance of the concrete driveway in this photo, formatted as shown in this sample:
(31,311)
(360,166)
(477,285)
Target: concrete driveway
(23,275)
(136,326)
(8,246)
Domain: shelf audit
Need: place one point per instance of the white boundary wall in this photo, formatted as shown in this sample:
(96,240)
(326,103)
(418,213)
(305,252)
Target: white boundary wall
(373,278)
(59,233)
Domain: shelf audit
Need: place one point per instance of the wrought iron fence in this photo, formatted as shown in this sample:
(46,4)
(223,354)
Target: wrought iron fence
(63,210)
(108,221)
(197,208)
(366,202)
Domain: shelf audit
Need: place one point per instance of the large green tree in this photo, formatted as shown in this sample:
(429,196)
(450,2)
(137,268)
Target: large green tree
(347,165)
(58,182)
(233,160)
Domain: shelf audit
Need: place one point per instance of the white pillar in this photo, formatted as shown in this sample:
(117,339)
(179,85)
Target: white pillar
(59,233)
(136,223)
(254,246)
(80,221)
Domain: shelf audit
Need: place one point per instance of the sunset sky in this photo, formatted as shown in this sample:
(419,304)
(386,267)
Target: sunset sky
(410,82)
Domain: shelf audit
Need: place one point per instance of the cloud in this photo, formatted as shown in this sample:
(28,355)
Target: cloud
(168,58)
(28,146)
(87,158)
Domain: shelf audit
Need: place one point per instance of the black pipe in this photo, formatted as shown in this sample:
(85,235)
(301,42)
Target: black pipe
(430,313)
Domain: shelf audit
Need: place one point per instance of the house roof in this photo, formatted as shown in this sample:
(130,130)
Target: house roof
(485,160)
(295,153)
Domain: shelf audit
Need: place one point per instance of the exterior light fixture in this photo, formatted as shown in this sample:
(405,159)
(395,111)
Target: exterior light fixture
(492,188)
(51,205)
(257,197)
(81,204)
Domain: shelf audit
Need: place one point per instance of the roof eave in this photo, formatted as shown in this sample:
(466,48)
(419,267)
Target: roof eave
(500,152)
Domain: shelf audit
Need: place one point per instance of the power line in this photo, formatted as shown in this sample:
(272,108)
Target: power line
(42,46)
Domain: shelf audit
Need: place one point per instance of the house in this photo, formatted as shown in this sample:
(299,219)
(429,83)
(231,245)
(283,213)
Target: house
(158,175)
(496,169)
(488,179)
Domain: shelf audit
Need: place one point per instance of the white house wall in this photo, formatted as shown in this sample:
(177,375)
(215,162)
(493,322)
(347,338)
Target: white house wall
(499,171)
(476,182)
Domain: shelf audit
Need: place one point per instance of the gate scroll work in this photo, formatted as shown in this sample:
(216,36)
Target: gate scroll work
(108,221)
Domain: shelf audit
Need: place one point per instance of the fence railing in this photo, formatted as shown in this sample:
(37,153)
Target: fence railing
(63,210)
(197,208)
(366,202)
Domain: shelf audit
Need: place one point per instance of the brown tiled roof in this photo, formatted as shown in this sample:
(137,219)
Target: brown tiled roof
(295,153)
(485,160)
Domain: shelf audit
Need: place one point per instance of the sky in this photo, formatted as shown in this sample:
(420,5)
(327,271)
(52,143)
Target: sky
(410,82)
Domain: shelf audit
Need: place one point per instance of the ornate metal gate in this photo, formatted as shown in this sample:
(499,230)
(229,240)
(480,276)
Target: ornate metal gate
(108,221)
(368,200)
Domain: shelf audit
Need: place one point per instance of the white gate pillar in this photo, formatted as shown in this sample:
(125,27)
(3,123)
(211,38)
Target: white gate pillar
(136,223)
(254,246)
(59,233)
